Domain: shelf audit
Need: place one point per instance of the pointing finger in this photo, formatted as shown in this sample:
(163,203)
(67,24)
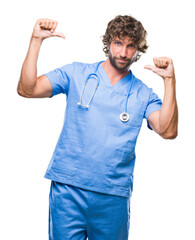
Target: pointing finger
(150,67)
(58,34)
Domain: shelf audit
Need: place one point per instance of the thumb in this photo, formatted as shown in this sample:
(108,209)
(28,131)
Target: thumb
(150,67)
(58,34)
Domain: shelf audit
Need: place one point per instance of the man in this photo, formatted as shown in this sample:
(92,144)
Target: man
(92,166)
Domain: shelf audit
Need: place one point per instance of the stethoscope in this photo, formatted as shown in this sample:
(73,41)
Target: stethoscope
(124,116)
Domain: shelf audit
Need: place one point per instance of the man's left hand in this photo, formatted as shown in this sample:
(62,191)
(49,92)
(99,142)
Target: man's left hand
(163,67)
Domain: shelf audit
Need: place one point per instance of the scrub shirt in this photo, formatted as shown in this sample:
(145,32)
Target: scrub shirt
(96,150)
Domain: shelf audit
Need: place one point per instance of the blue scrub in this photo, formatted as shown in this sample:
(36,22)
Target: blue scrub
(96,150)
(76,214)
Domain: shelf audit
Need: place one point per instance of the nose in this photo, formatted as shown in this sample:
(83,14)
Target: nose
(123,52)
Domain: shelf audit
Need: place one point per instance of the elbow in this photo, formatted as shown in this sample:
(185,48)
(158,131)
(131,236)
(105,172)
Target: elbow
(169,135)
(22,93)
(170,132)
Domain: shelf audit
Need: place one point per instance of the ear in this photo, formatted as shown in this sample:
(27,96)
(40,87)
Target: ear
(109,50)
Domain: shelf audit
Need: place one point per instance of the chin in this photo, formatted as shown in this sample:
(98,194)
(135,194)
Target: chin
(123,68)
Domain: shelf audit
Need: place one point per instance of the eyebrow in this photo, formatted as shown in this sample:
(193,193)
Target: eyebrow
(119,40)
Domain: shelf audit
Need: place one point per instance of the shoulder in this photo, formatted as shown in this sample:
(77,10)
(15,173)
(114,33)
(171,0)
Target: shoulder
(74,67)
(84,66)
(81,65)
(140,86)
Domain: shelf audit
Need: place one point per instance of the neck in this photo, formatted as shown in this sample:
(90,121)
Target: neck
(113,74)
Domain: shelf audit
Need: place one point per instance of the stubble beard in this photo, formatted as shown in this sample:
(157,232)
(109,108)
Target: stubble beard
(120,67)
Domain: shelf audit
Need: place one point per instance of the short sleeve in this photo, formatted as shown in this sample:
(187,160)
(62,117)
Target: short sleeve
(154,104)
(60,78)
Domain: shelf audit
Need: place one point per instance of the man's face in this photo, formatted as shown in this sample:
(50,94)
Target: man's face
(121,53)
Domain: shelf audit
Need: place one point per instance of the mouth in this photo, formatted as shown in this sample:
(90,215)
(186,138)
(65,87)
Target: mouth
(122,60)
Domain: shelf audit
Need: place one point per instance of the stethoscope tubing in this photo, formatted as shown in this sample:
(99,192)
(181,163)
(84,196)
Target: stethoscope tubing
(98,82)
(124,116)
(131,84)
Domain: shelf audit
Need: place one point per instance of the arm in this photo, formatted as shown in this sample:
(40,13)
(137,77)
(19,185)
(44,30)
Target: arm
(165,121)
(29,84)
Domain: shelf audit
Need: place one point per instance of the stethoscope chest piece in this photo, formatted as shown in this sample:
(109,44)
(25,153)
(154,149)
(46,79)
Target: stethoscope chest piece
(124,117)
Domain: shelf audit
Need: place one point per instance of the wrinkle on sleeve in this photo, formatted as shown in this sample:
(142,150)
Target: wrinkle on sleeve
(60,79)
(154,104)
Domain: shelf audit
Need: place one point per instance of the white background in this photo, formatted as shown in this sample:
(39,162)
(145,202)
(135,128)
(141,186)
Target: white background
(162,204)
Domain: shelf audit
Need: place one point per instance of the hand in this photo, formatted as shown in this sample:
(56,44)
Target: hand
(45,28)
(163,67)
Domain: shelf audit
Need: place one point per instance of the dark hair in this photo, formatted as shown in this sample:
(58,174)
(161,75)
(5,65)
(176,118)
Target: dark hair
(122,26)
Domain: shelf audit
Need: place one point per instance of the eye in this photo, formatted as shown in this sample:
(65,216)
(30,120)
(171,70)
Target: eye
(117,43)
(132,46)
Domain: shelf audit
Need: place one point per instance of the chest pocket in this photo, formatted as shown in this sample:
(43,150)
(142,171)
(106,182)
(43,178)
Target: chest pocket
(135,109)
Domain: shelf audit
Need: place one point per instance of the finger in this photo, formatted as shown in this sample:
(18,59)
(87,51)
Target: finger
(38,22)
(165,62)
(58,34)
(169,61)
(54,26)
(42,23)
(51,23)
(47,23)
(150,67)
(162,62)
(157,62)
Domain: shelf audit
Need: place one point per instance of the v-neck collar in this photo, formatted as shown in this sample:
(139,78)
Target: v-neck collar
(107,81)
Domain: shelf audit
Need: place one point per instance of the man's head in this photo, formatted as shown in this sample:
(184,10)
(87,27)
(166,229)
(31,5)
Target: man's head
(124,40)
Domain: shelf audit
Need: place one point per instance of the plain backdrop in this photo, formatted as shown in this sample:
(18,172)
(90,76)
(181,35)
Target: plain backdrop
(162,204)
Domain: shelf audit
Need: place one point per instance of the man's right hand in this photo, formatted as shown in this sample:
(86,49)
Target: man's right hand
(45,28)
(29,84)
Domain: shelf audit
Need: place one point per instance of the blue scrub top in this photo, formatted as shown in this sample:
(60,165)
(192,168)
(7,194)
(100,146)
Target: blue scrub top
(96,150)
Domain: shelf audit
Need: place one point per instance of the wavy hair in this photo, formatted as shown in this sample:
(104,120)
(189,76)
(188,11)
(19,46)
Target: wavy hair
(122,26)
